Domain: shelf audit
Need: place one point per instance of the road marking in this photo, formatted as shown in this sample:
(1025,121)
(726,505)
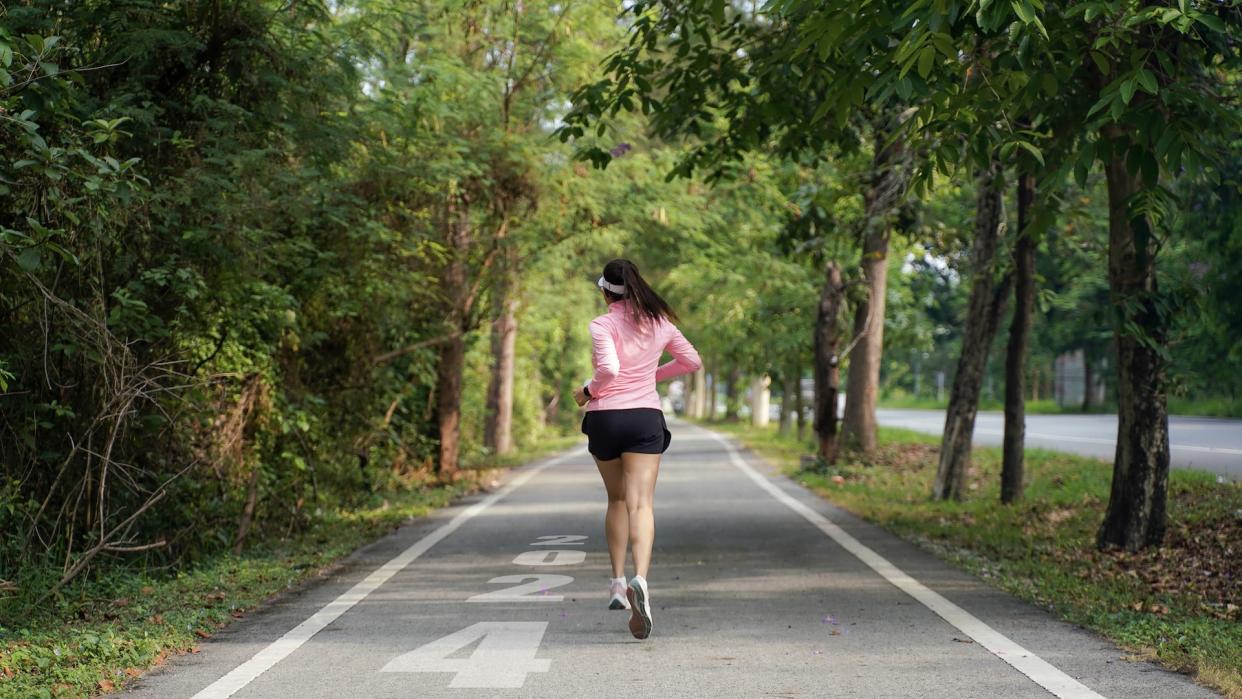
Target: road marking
(1022,660)
(504,656)
(550,557)
(282,647)
(526,592)
(560,540)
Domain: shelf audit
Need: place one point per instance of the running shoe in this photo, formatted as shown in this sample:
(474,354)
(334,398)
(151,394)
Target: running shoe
(640,608)
(617,593)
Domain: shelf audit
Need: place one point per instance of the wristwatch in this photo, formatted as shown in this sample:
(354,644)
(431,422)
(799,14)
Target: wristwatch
(586,390)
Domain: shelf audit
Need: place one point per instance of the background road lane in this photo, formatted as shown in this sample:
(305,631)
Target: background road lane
(1206,443)
(749,600)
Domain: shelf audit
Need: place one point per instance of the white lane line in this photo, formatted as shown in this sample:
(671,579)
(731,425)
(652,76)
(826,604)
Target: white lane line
(280,649)
(1022,660)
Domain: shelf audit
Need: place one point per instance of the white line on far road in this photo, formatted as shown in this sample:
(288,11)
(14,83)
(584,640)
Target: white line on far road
(1039,670)
(282,647)
(933,428)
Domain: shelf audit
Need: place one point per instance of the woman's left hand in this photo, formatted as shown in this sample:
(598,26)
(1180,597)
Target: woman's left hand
(580,396)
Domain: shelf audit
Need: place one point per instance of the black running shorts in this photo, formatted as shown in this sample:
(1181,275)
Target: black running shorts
(636,430)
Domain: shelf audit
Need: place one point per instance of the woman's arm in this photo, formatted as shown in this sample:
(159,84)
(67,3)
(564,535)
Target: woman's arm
(685,358)
(603,356)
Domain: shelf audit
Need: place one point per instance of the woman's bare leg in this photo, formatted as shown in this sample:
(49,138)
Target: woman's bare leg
(617,520)
(640,471)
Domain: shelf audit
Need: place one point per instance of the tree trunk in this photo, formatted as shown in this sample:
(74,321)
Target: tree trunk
(453,352)
(732,402)
(247,515)
(1012,466)
(1136,514)
(800,405)
(498,429)
(888,184)
(788,385)
(827,370)
(448,405)
(698,395)
(709,395)
(988,292)
(1088,379)
(760,401)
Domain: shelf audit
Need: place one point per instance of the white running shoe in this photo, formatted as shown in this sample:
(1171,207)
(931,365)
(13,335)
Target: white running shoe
(640,608)
(616,592)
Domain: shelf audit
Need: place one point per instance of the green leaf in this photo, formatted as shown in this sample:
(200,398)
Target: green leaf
(1116,109)
(1033,150)
(1211,22)
(29,259)
(6,55)
(1128,88)
(926,56)
(49,67)
(1023,9)
(1147,80)
(1101,62)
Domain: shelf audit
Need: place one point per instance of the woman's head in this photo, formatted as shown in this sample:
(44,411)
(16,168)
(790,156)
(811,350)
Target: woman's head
(621,280)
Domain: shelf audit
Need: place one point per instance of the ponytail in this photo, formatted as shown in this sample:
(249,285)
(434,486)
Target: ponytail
(645,303)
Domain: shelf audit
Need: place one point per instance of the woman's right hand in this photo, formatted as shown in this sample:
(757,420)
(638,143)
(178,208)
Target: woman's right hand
(580,396)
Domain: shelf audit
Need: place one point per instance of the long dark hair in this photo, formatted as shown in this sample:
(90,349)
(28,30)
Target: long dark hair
(645,303)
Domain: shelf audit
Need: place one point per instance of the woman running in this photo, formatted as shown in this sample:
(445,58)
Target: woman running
(624,424)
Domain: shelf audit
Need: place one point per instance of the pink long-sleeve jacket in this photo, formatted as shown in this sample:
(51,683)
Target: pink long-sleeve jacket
(627,355)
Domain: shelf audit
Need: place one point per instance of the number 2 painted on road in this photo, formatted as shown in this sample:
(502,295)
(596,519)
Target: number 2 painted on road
(526,592)
(560,540)
(505,655)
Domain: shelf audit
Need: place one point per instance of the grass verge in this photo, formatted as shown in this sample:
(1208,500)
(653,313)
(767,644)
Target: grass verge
(1178,604)
(111,629)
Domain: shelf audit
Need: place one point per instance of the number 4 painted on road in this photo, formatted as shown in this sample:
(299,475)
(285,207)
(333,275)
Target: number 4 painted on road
(505,655)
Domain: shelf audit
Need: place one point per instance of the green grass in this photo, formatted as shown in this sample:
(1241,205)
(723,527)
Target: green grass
(1205,407)
(111,628)
(1178,604)
(1209,407)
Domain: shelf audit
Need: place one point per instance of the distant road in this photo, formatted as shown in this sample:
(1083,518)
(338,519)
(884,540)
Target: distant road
(1205,443)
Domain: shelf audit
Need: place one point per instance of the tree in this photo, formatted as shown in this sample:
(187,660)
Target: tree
(988,294)
(1013,456)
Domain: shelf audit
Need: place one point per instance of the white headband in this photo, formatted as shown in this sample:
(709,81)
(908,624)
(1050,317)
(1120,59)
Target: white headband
(618,289)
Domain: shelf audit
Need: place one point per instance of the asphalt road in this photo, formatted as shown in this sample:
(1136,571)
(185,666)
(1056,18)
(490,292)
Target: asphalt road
(1205,443)
(759,588)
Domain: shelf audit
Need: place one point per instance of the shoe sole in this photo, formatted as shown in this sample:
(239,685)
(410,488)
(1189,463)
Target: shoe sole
(618,604)
(640,624)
